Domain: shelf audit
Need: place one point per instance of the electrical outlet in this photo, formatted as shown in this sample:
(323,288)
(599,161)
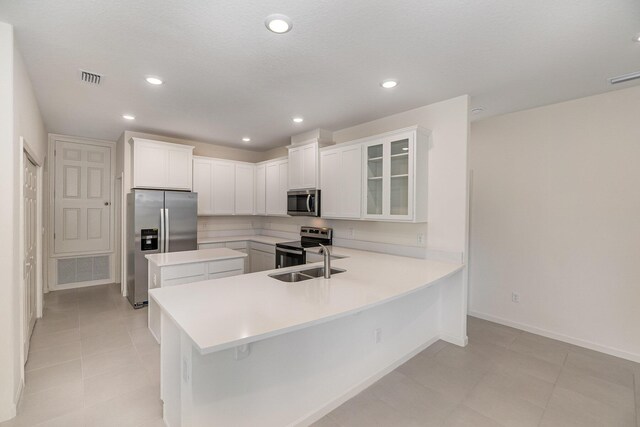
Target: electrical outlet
(515,297)
(420,239)
(377,335)
(242,352)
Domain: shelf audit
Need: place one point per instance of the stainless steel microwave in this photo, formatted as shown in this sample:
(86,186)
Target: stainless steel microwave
(303,202)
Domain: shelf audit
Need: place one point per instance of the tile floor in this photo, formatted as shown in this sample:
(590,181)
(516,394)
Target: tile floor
(92,362)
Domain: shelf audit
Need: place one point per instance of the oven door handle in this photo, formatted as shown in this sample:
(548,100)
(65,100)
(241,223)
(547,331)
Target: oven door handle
(308,202)
(290,251)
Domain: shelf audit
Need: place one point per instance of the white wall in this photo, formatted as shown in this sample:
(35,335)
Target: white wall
(555,216)
(19,116)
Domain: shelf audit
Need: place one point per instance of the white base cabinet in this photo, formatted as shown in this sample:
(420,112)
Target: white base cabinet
(180,274)
(263,257)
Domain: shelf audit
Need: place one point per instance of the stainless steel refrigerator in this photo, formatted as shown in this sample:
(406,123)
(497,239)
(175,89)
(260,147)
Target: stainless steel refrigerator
(157,221)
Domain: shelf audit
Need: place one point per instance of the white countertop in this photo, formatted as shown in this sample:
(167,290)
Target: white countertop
(190,257)
(269,240)
(224,313)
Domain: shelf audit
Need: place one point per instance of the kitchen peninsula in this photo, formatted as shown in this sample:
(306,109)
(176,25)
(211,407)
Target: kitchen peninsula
(251,350)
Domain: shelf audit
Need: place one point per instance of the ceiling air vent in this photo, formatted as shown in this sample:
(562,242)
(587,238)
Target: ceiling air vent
(91,78)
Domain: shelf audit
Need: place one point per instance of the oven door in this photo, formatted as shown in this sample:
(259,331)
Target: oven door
(286,257)
(303,203)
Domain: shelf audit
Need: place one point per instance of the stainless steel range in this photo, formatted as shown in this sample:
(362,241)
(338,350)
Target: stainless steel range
(293,253)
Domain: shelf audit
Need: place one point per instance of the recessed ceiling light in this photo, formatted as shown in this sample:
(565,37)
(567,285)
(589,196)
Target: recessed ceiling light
(154,80)
(636,38)
(128,117)
(278,23)
(388,84)
(298,119)
(246,139)
(477,110)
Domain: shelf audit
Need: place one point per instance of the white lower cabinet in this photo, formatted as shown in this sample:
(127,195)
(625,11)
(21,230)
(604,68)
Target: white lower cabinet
(263,257)
(180,274)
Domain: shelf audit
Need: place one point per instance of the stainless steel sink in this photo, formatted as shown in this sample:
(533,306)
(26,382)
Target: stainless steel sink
(293,276)
(319,271)
(299,276)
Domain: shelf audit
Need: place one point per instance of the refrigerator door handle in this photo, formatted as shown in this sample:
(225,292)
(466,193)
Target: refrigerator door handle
(166,227)
(161,230)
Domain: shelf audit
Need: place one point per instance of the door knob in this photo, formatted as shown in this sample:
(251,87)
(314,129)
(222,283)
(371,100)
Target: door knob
(106,203)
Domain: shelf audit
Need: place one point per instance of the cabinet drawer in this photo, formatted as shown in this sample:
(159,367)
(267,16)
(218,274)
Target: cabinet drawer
(224,274)
(226,265)
(236,245)
(210,245)
(263,247)
(184,280)
(184,270)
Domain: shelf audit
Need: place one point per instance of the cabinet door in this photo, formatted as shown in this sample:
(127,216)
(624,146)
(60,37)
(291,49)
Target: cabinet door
(400,149)
(223,183)
(330,179)
(202,178)
(283,170)
(309,162)
(296,161)
(179,169)
(272,185)
(244,189)
(260,188)
(348,187)
(150,163)
(374,174)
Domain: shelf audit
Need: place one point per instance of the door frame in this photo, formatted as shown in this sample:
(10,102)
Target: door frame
(25,148)
(51,255)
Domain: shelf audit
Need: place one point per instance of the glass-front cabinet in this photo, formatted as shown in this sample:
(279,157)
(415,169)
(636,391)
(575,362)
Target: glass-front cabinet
(389,165)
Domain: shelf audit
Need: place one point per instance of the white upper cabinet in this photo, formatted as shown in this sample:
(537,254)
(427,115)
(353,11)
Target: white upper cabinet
(276,178)
(202,179)
(341,175)
(161,165)
(260,189)
(244,189)
(303,166)
(224,187)
(394,180)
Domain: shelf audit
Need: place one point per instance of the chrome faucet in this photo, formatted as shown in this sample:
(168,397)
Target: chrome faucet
(327,261)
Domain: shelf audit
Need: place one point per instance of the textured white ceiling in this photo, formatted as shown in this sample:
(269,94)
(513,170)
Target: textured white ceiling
(228,77)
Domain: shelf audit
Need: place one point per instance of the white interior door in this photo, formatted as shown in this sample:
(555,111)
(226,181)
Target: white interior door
(82,198)
(30,201)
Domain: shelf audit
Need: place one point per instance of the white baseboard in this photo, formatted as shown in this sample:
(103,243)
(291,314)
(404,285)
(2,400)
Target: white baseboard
(334,403)
(462,342)
(11,410)
(560,337)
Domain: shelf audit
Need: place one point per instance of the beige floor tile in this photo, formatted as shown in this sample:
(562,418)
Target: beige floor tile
(50,404)
(158,422)
(42,341)
(106,314)
(109,361)
(615,372)
(366,411)
(568,409)
(412,399)
(533,366)
(518,384)
(106,342)
(540,347)
(453,383)
(73,419)
(326,421)
(612,394)
(142,337)
(102,387)
(464,358)
(490,333)
(100,328)
(126,410)
(463,416)
(64,374)
(45,327)
(434,348)
(53,355)
(135,320)
(503,408)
